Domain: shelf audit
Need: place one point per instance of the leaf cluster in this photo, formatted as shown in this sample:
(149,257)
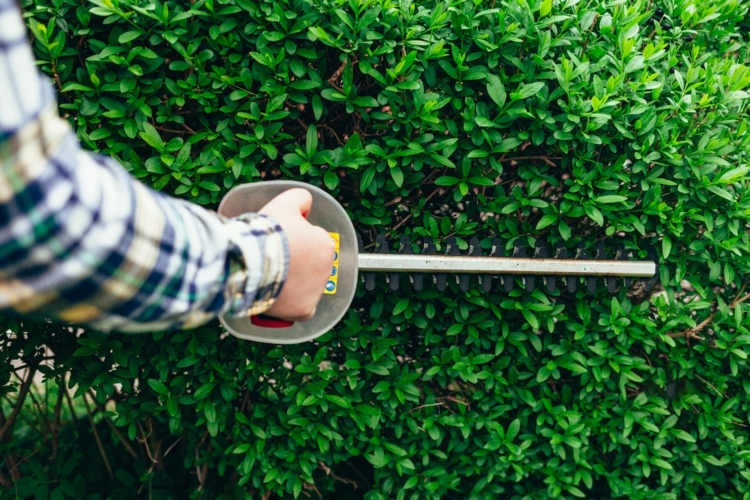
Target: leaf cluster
(622,122)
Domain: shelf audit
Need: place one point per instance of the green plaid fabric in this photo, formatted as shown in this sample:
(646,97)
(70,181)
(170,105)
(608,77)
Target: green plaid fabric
(82,241)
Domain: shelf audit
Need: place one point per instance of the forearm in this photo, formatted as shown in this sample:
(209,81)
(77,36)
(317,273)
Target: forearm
(82,241)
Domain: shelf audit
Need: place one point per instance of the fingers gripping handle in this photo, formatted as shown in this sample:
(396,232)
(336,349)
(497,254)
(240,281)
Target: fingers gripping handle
(267,321)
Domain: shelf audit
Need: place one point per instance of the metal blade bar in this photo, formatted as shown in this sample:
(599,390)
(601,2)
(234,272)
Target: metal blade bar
(505,265)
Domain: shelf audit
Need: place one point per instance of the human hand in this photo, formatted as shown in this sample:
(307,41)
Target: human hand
(311,254)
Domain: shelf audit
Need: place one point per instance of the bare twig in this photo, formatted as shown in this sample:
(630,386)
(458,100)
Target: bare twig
(586,42)
(26,458)
(198,470)
(42,413)
(204,472)
(56,421)
(395,200)
(185,126)
(245,401)
(169,130)
(405,219)
(114,429)
(711,386)
(25,418)
(70,405)
(429,197)
(424,406)
(693,332)
(96,437)
(172,446)
(309,486)
(8,424)
(5,482)
(547,159)
(329,472)
(336,76)
(364,479)
(322,125)
(144,440)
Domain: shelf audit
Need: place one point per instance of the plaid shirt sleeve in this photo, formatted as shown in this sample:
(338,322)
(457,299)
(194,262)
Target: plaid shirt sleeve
(82,241)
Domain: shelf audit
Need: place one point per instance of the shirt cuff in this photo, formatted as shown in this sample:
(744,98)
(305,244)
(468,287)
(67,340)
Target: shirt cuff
(258,264)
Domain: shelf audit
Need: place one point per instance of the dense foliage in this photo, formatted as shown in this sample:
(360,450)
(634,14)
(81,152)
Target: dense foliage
(554,120)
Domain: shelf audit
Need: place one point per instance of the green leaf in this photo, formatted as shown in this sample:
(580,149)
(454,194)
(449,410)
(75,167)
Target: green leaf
(377,369)
(636,63)
(545,8)
(401,306)
(446,180)
(367,102)
(338,400)
(99,134)
(367,178)
(455,329)
(303,84)
(158,386)
(660,463)
(594,214)
(496,90)
(311,141)
(484,122)
(533,321)
(683,435)
(151,136)
(547,220)
(317,105)
(529,90)
(173,406)
(398,176)
(513,429)
(720,191)
(610,198)
(331,180)
(25,486)
(481,181)
(184,155)
(483,358)
(76,86)
(666,246)
(209,186)
(129,36)
(204,390)
(564,229)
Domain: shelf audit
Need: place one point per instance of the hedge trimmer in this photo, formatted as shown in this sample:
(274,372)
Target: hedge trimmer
(351,260)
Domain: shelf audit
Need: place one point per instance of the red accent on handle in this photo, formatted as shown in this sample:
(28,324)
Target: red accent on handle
(270,321)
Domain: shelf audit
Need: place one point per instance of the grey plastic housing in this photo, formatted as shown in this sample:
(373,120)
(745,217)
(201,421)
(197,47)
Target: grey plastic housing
(327,213)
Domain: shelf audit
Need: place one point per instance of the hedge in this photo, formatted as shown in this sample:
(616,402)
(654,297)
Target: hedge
(615,122)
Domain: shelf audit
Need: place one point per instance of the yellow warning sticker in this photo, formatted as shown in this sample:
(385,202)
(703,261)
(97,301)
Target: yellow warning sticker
(333,280)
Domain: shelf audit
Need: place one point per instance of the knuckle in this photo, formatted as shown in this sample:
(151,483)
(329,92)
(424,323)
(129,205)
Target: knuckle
(302,194)
(310,313)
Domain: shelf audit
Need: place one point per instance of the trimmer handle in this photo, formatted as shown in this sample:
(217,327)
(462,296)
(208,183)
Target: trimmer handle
(325,212)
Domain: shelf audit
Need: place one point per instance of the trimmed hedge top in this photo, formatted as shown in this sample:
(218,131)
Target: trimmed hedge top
(574,121)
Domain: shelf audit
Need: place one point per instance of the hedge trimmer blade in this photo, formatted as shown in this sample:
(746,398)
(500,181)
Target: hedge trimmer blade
(570,271)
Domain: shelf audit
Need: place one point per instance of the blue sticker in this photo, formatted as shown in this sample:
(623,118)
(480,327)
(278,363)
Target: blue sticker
(335,256)
(333,271)
(330,286)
